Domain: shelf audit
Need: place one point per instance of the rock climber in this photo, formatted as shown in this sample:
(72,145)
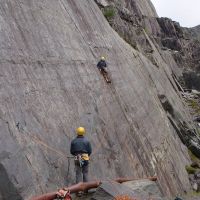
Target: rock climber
(101,65)
(81,150)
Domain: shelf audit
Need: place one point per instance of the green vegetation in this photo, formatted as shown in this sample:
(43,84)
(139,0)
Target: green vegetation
(195,109)
(195,164)
(193,194)
(190,170)
(109,12)
(146,30)
(198,131)
(193,157)
(194,105)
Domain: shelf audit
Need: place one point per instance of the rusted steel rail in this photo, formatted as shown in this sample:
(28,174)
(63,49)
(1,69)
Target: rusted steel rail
(72,189)
(83,187)
(122,180)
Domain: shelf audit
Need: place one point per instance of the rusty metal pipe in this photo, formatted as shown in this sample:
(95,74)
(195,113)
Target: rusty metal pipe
(74,188)
(85,186)
(48,196)
(122,180)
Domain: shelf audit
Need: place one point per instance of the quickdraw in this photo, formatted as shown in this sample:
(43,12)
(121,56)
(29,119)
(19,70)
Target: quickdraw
(79,159)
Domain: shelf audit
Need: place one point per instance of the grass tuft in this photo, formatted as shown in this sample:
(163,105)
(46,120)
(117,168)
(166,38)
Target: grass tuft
(109,12)
(193,157)
(190,170)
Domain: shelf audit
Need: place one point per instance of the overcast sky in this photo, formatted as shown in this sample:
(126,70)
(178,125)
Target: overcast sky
(186,12)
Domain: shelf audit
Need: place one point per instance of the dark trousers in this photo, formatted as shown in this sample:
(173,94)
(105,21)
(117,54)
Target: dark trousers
(103,71)
(81,172)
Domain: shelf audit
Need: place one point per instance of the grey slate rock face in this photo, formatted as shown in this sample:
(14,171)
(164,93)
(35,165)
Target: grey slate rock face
(187,134)
(140,189)
(50,85)
(7,189)
(148,189)
(110,190)
(179,46)
(102,3)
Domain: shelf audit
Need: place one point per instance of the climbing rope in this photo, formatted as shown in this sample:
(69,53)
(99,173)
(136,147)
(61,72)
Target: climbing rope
(44,144)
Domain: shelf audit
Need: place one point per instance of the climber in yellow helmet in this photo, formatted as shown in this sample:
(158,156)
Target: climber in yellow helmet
(101,65)
(81,150)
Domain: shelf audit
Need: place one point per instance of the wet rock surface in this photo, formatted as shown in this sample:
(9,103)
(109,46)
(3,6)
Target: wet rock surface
(50,85)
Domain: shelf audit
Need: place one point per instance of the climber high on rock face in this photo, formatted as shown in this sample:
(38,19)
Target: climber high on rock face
(101,65)
(81,150)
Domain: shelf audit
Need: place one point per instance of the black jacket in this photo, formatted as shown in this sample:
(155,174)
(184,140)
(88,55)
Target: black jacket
(80,145)
(101,64)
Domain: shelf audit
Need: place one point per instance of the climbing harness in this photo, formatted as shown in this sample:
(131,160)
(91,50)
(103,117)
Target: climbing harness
(79,160)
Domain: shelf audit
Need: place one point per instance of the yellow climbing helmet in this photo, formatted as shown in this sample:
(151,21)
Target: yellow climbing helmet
(80,131)
(102,58)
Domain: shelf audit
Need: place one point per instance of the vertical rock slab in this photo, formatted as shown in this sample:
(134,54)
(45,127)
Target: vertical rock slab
(111,190)
(145,187)
(50,85)
(141,189)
